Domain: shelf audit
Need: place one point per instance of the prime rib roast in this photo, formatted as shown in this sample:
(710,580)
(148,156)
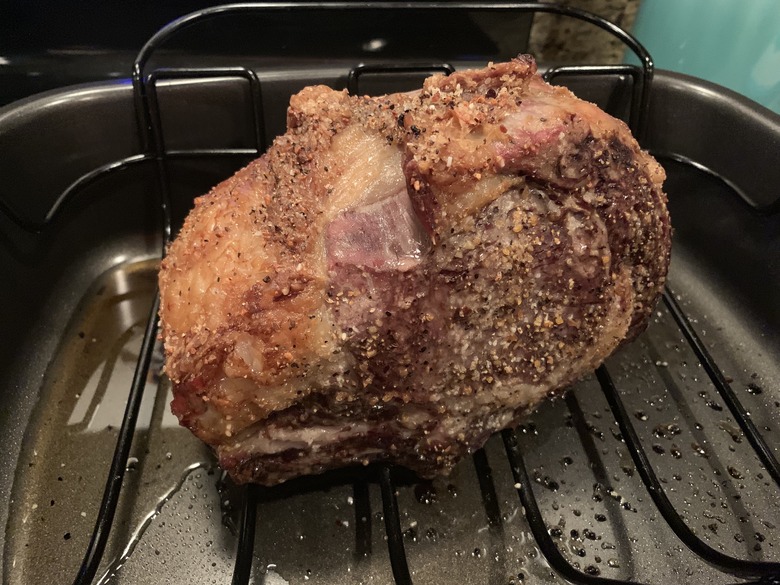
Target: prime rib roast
(399,277)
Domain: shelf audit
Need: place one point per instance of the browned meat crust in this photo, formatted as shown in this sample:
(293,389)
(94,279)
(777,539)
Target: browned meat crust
(399,277)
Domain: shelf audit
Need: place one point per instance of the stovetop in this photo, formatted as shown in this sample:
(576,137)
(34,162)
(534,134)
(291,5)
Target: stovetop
(46,45)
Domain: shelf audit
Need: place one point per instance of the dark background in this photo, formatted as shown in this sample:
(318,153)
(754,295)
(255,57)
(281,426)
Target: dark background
(49,44)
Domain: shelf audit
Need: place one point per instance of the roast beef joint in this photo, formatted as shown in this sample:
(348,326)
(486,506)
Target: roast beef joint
(399,277)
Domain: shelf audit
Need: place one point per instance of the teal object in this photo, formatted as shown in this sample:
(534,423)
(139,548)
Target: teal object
(735,43)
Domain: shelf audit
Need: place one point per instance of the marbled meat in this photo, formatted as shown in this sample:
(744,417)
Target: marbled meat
(399,277)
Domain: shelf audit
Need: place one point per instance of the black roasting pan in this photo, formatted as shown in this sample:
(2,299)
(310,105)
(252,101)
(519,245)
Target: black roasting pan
(659,468)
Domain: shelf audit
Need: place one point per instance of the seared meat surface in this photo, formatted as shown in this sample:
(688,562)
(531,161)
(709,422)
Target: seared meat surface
(399,277)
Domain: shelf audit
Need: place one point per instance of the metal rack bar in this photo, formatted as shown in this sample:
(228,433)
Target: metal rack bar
(242,569)
(182,73)
(73,190)
(536,521)
(714,557)
(108,505)
(395,537)
(355,73)
(660,155)
(257,7)
(70,193)
(487,488)
(595,460)
(154,130)
(763,451)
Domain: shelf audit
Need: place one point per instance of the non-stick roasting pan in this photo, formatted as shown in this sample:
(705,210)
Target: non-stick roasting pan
(661,467)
